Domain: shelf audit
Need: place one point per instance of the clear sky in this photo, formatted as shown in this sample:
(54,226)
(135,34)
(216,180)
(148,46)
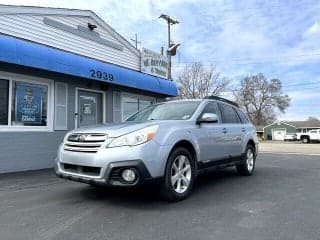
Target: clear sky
(279,38)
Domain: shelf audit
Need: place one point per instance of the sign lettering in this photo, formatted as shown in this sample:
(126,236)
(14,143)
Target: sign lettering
(154,63)
(101,75)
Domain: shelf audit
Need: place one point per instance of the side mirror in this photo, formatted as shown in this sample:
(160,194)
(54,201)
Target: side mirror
(208,118)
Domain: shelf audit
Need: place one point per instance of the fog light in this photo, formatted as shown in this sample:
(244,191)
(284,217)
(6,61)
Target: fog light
(129,175)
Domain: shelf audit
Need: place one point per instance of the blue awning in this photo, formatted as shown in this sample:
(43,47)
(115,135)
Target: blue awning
(20,52)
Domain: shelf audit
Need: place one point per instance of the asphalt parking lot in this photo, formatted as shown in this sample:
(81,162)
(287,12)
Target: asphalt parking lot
(281,201)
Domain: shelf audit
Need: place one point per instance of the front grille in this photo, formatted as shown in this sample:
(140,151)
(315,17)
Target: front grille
(84,142)
(85,170)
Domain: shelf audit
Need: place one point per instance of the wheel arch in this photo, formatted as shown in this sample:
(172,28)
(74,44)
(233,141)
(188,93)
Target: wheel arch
(252,143)
(304,136)
(187,145)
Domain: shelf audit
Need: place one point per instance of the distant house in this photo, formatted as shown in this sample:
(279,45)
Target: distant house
(277,130)
(259,131)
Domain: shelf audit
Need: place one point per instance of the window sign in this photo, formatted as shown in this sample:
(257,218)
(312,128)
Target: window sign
(87,109)
(28,103)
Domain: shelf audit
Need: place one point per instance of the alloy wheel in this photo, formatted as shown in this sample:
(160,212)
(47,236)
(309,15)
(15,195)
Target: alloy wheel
(250,160)
(181,174)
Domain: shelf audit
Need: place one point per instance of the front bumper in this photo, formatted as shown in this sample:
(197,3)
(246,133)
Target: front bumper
(105,166)
(112,176)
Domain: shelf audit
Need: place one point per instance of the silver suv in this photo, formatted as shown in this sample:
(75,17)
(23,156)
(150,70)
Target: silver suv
(171,142)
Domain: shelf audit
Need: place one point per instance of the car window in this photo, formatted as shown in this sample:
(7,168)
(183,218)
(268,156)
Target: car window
(212,107)
(166,111)
(228,114)
(243,117)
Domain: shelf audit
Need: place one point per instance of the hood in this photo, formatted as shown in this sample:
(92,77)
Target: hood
(115,129)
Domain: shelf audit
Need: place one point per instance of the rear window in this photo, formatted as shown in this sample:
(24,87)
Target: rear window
(243,117)
(228,114)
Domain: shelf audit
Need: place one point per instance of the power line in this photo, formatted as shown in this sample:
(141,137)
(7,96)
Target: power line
(252,61)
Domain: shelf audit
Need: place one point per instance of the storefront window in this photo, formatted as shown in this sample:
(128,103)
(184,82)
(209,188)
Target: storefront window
(132,104)
(4,101)
(29,104)
(144,103)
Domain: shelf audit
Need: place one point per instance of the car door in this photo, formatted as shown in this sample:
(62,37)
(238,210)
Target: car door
(210,136)
(246,128)
(233,130)
(313,134)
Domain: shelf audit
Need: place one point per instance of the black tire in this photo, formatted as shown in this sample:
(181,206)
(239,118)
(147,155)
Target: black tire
(305,140)
(168,191)
(246,167)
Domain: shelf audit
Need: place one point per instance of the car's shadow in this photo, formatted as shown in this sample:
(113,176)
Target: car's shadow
(147,197)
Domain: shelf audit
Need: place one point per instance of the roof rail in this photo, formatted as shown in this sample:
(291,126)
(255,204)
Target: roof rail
(222,99)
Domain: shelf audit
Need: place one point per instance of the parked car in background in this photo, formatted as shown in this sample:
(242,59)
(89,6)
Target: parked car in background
(290,137)
(311,136)
(171,142)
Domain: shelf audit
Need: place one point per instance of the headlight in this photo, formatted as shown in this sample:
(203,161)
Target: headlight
(135,138)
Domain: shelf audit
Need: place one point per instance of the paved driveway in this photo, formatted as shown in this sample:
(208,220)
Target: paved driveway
(281,201)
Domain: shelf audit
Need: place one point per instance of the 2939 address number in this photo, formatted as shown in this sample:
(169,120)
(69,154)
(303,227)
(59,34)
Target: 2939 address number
(101,75)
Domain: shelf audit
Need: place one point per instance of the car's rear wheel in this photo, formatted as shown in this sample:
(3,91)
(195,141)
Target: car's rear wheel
(179,175)
(246,168)
(305,140)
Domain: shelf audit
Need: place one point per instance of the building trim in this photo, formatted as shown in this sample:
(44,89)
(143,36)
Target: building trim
(59,128)
(280,123)
(92,36)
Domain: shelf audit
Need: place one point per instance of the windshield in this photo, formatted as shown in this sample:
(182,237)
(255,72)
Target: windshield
(166,111)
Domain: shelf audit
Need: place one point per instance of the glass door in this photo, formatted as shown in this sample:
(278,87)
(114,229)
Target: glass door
(89,108)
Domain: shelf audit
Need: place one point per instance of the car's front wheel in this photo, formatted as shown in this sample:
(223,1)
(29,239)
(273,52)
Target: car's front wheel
(179,175)
(246,168)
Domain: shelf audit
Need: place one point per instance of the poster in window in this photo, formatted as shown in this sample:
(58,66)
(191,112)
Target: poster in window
(28,103)
(87,109)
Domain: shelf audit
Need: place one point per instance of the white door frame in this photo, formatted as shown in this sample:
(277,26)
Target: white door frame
(76,122)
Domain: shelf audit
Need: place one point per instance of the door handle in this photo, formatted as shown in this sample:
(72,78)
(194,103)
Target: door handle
(224,130)
(243,129)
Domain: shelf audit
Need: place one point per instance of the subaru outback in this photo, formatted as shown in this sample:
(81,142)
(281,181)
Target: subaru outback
(170,141)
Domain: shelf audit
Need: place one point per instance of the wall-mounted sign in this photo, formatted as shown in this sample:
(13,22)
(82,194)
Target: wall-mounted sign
(154,63)
(28,103)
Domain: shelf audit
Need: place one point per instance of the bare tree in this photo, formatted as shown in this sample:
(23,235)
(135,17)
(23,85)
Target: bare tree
(262,98)
(196,81)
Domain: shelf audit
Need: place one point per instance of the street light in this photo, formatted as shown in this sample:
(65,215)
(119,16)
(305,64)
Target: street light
(172,48)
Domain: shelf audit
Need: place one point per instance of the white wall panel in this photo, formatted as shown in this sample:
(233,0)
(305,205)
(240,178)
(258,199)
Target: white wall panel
(32,27)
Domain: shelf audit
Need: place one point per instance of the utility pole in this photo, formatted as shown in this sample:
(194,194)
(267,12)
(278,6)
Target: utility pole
(135,40)
(171,46)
